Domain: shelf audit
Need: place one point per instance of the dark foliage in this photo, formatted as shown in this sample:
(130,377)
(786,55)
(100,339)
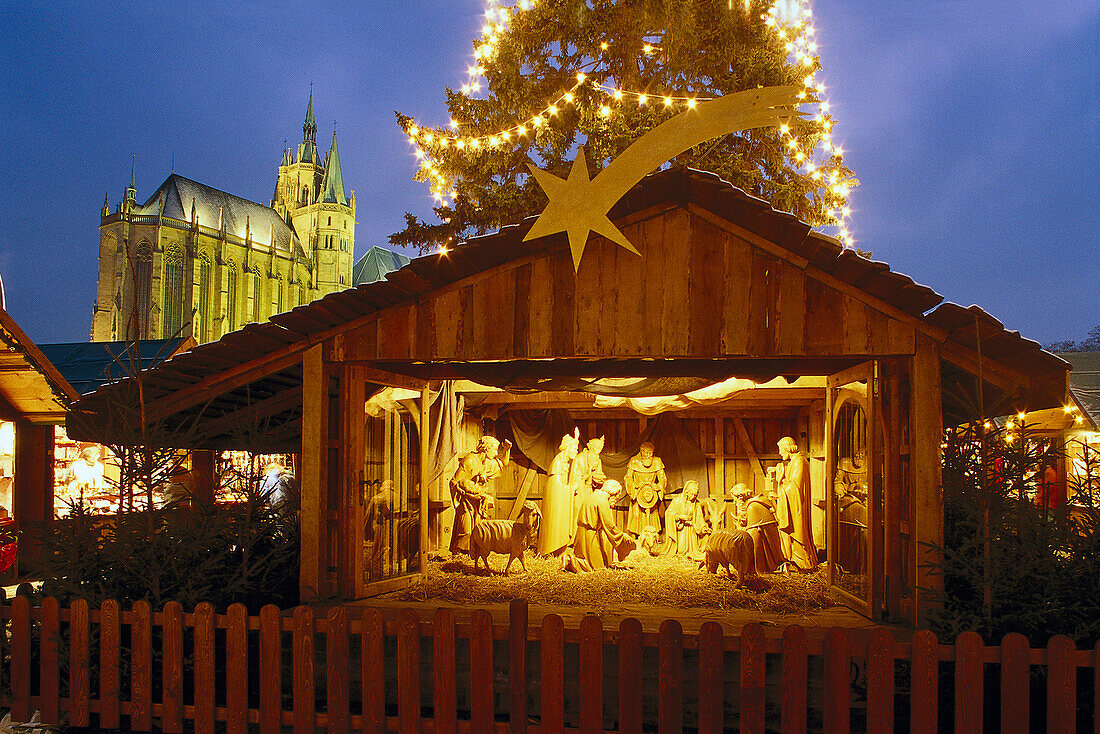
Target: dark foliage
(1091,343)
(1011,565)
(225,554)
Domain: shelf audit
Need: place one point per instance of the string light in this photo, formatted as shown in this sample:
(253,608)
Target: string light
(792,24)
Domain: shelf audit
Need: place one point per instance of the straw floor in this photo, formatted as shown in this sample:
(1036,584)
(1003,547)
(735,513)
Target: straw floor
(665,581)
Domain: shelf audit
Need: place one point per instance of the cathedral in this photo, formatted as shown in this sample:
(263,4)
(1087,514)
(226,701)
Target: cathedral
(196,261)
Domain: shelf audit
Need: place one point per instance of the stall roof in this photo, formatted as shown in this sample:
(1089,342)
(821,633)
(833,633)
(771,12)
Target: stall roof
(31,387)
(256,364)
(1084,381)
(89,365)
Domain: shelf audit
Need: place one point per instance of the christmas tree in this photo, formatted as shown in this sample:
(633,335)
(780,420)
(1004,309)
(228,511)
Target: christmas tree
(551,75)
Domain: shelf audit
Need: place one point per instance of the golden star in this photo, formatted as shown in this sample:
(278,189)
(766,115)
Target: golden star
(575,210)
(579,206)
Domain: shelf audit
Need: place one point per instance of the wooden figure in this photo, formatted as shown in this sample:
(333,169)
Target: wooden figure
(645,482)
(686,523)
(757,517)
(794,497)
(586,473)
(557,500)
(468,487)
(599,543)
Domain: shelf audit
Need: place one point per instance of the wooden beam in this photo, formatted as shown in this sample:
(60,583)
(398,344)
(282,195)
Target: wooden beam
(349,572)
(313,561)
(743,437)
(425,447)
(32,486)
(925,436)
(387,379)
(217,384)
(247,416)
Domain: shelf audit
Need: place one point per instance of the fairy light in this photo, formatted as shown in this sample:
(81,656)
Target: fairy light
(791,21)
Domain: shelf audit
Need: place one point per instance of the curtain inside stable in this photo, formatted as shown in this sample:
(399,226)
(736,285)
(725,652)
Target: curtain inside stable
(538,434)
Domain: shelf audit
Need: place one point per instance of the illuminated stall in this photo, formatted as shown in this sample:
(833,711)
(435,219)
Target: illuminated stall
(794,337)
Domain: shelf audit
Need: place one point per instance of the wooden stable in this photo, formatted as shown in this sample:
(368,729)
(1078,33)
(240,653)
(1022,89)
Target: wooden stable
(724,287)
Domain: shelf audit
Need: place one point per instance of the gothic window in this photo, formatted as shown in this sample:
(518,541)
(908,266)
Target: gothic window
(330,221)
(173,291)
(279,305)
(305,195)
(143,281)
(230,296)
(251,280)
(202,319)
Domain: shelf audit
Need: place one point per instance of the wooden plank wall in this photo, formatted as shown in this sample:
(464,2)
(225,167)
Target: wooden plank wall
(700,289)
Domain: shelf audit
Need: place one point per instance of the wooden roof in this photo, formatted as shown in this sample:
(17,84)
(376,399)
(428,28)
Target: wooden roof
(31,388)
(736,288)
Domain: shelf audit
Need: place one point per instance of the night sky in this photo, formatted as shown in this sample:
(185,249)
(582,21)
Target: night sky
(972,126)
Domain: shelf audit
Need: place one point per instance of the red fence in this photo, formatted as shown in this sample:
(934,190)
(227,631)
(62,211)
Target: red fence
(136,669)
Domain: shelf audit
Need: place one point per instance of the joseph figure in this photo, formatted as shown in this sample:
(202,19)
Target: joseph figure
(792,478)
(469,490)
(645,483)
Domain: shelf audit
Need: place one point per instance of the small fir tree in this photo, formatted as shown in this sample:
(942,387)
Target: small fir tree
(601,73)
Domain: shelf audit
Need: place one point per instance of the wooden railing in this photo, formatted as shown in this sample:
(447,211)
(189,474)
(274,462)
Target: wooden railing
(354,671)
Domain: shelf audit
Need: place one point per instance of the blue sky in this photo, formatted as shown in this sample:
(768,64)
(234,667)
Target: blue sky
(972,126)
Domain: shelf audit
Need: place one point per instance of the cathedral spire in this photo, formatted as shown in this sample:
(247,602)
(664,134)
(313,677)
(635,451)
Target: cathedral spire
(309,127)
(307,151)
(332,186)
(130,200)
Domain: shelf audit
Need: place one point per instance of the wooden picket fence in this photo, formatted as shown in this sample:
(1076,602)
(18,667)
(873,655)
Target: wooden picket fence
(139,668)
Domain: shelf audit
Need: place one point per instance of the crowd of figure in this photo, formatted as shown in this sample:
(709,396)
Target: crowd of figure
(766,531)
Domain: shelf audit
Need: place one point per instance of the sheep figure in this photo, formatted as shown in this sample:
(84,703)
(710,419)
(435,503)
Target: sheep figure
(730,548)
(504,536)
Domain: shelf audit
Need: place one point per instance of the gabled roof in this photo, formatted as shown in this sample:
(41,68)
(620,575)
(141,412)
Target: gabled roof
(259,363)
(212,206)
(88,365)
(332,185)
(376,264)
(31,387)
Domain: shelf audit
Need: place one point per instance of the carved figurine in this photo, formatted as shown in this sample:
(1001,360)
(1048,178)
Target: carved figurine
(645,483)
(686,523)
(599,543)
(757,516)
(730,548)
(469,490)
(794,497)
(511,537)
(586,473)
(557,500)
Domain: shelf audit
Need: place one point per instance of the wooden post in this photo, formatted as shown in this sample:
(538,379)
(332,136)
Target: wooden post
(924,698)
(110,638)
(892,490)
(425,446)
(925,436)
(313,561)
(32,485)
(969,682)
(202,472)
(752,679)
(711,673)
(443,667)
(349,520)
